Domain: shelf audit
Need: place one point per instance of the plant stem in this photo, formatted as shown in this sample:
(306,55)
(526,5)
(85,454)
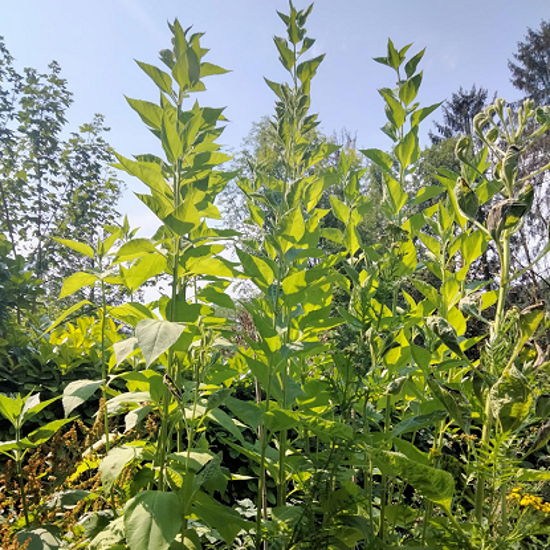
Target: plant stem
(104,363)
(19,460)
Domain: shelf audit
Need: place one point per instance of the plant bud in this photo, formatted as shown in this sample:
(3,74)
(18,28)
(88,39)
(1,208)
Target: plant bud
(492,135)
(480,120)
(463,147)
(510,165)
(470,305)
(499,106)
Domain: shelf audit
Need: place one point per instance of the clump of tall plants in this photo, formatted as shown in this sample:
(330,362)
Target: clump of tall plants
(372,392)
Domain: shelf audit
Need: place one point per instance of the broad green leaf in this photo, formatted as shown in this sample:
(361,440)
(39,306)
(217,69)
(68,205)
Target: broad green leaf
(410,66)
(394,110)
(286,54)
(187,69)
(155,337)
(160,78)
(419,115)
(380,158)
(77,392)
(208,69)
(47,431)
(130,313)
(340,209)
(149,173)
(116,460)
(529,320)
(398,196)
(152,519)
(134,249)
(473,246)
(292,227)
(75,282)
(110,537)
(124,349)
(258,269)
(81,248)
(149,112)
(184,219)
(415,423)
(435,485)
(306,70)
(197,459)
(407,150)
(143,270)
(10,408)
(67,313)
(38,539)
(216,267)
(33,406)
(426,193)
(409,89)
(225,520)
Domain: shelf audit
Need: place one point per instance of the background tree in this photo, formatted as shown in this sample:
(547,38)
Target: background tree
(530,74)
(459,113)
(531,66)
(50,186)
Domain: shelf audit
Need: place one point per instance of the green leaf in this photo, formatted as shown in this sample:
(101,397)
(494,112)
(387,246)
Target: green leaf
(81,248)
(116,460)
(286,54)
(152,519)
(155,337)
(397,194)
(110,537)
(435,485)
(208,69)
(45,432)
(292,227)
(67,313)
(380,158)
(413,62)
(75,282)
(409,89)
(77,392)
(216,267)
(11,408)
(428,192)
(144,269)
(340,209)
(134,249)
(38,539)
(415,423)
(466,198)
(394,110)
(130,313)
(473,246)
(149,112)
(149,173)
(160,78)
(225,520)
(445,332)
(407,150)
(187,69)
(184,219)
(171,140)
(306,70)
(418,116)
(124,349)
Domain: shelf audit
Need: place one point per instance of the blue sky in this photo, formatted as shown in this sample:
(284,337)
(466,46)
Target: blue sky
(95,43)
